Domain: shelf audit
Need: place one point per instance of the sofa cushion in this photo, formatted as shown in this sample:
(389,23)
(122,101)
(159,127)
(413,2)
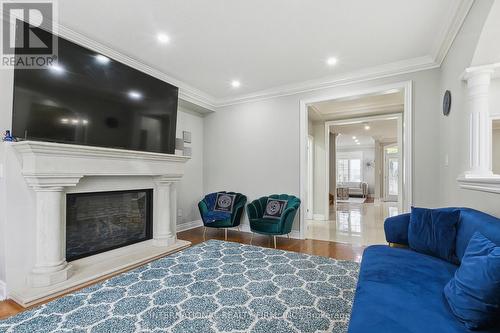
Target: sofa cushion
(433,232)
(400,290)
(471,221)
(474,292)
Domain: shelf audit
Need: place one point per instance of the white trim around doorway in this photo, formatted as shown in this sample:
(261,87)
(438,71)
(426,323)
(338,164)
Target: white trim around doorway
(407,87)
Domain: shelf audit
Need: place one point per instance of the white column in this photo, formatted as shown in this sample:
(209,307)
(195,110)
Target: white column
(164,212)
(50,261)
(478,84)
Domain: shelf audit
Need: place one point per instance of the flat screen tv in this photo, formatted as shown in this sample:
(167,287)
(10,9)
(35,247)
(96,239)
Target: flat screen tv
(90,99)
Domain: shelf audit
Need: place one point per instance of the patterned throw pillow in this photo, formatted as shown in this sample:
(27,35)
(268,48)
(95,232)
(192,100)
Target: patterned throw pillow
(224,202)
(274,208)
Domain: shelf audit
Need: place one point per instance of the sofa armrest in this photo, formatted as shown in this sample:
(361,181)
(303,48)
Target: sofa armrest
(396,229)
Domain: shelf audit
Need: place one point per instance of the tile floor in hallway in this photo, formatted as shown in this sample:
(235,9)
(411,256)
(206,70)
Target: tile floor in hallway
(354,223)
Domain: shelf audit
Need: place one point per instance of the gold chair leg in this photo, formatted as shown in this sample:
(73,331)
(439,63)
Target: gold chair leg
(288,236)
(251,238)
(238,228)
(225,233)
(204,232)
(274,238)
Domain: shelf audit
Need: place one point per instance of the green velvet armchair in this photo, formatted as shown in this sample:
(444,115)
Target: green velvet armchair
(268,226)
(215,219)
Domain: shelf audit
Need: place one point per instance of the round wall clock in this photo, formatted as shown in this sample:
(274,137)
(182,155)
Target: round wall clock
(447,102)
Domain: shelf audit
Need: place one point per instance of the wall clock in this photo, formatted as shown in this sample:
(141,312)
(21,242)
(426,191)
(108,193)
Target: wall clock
(447,102)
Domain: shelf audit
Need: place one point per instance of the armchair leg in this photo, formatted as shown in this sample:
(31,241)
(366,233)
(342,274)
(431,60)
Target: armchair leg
(274,238)
(225,233)
(288,235)
(204,233)
(238,228)
(251,238)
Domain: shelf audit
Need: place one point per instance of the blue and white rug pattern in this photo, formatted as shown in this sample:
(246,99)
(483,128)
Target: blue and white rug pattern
(215,286)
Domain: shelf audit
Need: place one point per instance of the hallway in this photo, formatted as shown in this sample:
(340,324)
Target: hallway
(353,223)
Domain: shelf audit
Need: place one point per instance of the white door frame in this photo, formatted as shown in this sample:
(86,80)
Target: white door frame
(407,170)
(310,178)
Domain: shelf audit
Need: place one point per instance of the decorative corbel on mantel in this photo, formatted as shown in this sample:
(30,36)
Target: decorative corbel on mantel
(480,176)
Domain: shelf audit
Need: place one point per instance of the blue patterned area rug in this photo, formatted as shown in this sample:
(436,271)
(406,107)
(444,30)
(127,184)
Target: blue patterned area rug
(212,287)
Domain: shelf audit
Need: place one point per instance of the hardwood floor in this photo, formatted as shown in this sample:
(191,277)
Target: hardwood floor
(310,246)
(315,247)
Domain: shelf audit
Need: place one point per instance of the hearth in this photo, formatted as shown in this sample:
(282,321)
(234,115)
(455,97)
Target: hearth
(102,221)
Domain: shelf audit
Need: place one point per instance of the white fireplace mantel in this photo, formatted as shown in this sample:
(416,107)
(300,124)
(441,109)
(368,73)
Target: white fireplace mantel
(51,168)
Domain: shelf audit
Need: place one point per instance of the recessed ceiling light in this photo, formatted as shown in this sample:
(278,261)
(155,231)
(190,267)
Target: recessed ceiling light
(134,94)
(57,69)
(235,84)
(102,59)
(358,143)
(64,120)
(85,122)
(367,127)
(74,121)
(354,138)
(331,61)
(163,38)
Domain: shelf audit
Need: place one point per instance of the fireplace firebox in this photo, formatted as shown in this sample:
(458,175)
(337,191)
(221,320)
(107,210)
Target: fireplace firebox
(103,221)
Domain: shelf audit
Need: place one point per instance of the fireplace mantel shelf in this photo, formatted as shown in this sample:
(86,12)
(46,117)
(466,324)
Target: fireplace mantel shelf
(56,164)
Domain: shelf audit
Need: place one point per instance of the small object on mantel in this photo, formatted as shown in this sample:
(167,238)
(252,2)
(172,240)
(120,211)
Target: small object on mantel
(8,137)
(186,136)
(187,151)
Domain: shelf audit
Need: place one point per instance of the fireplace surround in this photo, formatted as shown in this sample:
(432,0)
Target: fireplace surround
(36,265)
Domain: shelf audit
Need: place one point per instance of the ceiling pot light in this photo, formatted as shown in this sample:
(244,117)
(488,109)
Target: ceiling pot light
(331,61)
(354,138)
(367,127)
(235,84)
(163,38)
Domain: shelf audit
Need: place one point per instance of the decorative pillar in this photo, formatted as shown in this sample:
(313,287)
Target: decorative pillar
(478,84)
(165,211)
(50,260)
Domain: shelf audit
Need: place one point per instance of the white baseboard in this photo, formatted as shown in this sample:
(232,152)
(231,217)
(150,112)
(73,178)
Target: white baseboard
(189,225)
(3,291)
(319,217)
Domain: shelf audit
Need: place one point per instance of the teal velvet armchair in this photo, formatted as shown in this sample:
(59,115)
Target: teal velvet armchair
(268,226)
(216,219)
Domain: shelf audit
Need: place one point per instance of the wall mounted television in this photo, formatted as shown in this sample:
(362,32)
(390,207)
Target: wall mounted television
(90,99)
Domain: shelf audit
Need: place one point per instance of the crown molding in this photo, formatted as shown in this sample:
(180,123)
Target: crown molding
(454,22)
(367,74)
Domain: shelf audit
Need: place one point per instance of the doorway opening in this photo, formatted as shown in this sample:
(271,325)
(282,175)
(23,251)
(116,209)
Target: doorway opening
(359,168)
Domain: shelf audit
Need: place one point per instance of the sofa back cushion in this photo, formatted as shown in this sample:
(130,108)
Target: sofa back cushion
(471,221)
(474,293)
(433,232)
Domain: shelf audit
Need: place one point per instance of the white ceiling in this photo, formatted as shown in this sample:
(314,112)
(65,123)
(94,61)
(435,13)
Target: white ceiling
(381,130)
(269,44)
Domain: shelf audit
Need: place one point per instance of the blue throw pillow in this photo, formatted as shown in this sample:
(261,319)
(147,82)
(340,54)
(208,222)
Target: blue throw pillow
(474,293)
(433,232)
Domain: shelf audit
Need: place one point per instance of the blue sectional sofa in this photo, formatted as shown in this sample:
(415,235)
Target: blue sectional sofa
(400,290)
